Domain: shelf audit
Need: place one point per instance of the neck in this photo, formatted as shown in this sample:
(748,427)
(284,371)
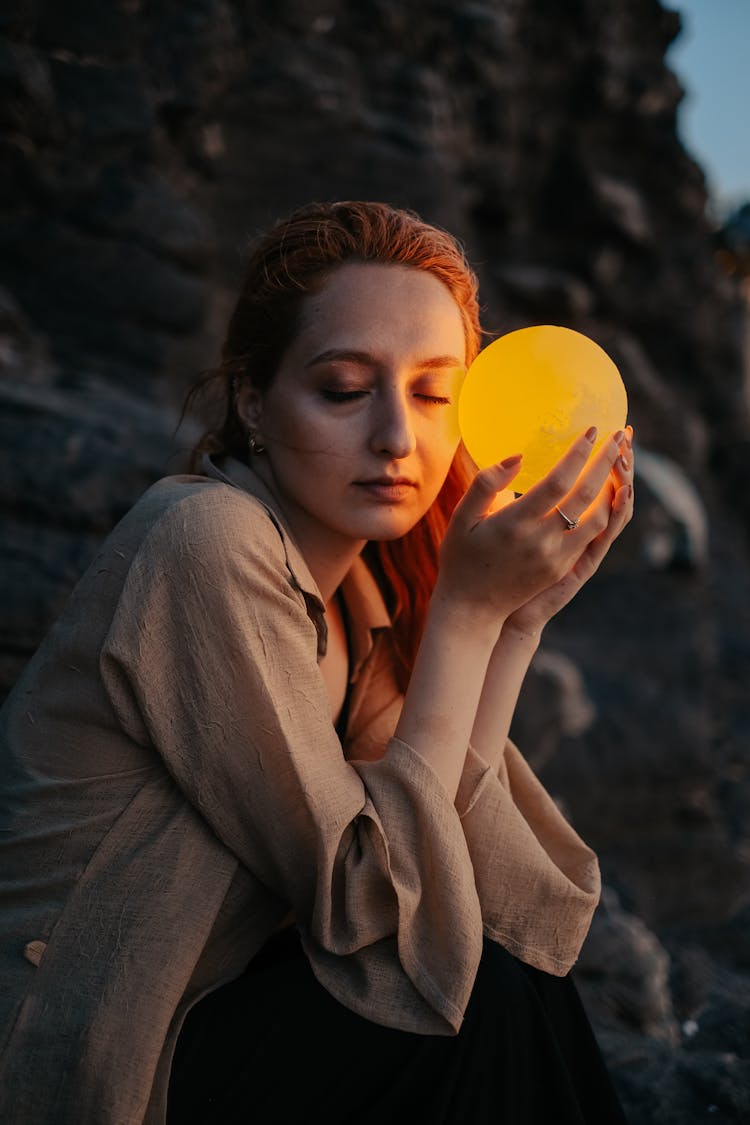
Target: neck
(329,566)
(329,556)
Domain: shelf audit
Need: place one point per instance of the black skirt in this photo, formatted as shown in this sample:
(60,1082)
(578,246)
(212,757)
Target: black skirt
(274,1048)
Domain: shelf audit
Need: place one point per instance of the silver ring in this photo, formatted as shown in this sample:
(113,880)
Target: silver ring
(570,525)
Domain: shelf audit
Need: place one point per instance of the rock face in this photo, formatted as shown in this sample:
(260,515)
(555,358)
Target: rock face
(143,144)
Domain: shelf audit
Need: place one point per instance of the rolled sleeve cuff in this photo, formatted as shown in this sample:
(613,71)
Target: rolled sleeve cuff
(538,882)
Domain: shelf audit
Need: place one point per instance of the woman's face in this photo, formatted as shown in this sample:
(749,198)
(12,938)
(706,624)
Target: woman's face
(360,423)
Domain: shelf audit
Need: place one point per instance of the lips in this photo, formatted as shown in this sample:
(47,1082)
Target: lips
(389,481)
(388,489)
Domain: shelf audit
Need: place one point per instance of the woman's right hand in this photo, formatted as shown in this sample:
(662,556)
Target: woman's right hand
(491,563)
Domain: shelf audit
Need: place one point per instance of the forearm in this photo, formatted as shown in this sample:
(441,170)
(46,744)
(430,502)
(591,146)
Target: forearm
(440,706)
(506,672)
(503,575)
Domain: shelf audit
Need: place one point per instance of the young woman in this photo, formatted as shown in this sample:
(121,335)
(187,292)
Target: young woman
(260,812)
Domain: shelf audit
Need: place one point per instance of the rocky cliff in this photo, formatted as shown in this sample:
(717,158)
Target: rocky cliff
(143,143)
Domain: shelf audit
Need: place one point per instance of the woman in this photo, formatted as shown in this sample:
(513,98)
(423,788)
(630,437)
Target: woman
(252,777)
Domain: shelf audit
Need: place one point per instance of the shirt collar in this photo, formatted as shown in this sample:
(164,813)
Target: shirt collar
(367,611)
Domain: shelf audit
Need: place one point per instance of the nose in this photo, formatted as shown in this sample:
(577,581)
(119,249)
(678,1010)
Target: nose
(393,429)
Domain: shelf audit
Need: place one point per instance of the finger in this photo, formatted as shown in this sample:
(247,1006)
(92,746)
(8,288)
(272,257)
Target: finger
(479,497)
(624,503)
(594,552)
(597,516)
(598,547)
(623,468)
(558,482)
(587,487)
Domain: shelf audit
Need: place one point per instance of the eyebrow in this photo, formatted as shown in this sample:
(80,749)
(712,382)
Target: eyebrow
(438,362)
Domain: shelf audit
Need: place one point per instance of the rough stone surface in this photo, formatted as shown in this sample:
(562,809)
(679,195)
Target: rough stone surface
(143,144)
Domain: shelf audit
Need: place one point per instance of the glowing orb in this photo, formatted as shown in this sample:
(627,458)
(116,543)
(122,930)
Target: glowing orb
(533,391)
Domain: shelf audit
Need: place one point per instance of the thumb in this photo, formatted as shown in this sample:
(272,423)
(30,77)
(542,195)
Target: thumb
(478,498)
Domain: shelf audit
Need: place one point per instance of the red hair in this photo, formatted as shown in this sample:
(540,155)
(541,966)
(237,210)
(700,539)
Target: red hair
(293,260)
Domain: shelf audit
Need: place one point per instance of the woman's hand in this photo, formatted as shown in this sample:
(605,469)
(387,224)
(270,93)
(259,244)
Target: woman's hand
(613,509)
(521,562)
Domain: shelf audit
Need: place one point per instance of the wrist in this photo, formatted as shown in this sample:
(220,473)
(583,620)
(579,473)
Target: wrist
(520,637)
(464,617)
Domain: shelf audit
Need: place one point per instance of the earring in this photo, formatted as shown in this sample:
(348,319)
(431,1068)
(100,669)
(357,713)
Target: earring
(253,444)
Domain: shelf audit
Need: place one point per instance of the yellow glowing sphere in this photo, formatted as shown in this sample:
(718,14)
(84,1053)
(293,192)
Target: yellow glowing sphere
(533,391)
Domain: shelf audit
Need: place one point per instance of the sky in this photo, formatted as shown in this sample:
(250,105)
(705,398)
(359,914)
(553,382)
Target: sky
(711,57)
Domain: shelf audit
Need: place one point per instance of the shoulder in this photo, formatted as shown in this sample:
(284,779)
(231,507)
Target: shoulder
(186,514)
(211,542)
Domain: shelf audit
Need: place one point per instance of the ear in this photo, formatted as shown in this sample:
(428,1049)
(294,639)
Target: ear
(249,405)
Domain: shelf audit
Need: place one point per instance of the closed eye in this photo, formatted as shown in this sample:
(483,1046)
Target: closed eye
(351,396)
(342,396)
(437,400)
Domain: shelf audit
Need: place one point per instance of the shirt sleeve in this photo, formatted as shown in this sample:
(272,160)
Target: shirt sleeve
(211,661)
(537,881)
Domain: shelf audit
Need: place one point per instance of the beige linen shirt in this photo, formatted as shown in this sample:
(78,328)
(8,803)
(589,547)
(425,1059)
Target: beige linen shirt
(172,786)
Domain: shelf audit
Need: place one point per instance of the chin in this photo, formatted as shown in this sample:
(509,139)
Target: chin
(384,530)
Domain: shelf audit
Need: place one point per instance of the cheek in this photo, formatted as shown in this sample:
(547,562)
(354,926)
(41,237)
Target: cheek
(435,471)
(440,442)
(302,431)
(439,445)
(311,454)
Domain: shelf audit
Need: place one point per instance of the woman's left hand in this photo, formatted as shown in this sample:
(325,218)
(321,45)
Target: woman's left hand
(615,502)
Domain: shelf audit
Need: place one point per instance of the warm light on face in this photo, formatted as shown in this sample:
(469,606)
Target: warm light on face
(365,394)
(533,392)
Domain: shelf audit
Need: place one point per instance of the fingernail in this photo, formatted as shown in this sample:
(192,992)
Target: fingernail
(619,436)
(509,462)
(591,434)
